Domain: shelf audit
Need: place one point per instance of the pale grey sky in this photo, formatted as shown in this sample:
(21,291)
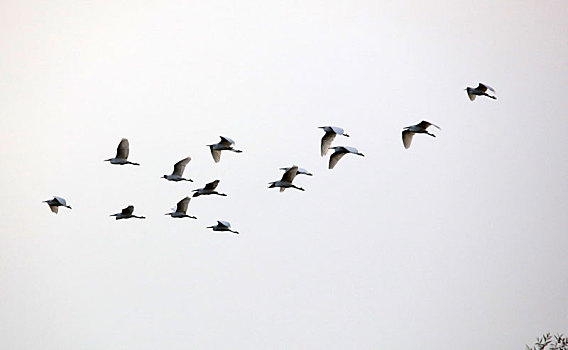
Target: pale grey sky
(457,243)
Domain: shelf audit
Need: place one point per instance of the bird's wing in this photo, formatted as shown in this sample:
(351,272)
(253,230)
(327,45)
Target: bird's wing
(216,155)
(54,208)
(424,125)
(471,96)
(224,223)
(486,87)
(123,149)
(337,130)
(326,141)
(226,141)
(60,200)
(335,157)
(128,210)
(182,205)
(351,149)
(212,185)
(481,87)
(179,167)
(290,174)
(407,138)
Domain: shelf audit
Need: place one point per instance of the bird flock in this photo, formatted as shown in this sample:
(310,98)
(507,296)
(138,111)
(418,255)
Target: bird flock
(290,173)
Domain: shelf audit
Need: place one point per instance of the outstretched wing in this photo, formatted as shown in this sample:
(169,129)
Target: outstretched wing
(335,157)
(482,87)
(225,141)
(123,149)
(54,208)
(179,167)
(486,87)
(326,141)
(290,174)
(337,130)
(216,155)
(224,223)
(60,200)
(128,210)
(407,138)
(470,95)
(424,125)
(212,185)
(182,205)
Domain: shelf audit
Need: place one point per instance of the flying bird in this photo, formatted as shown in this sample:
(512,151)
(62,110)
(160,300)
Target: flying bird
(121,154)
(419,128)
(208,189)
(286,181)
(55,203)
(179,167)
(480,90)
(181,209)
(327,139)
(126,213)
(222,226)
(340,151)
(301,171)
(226,144)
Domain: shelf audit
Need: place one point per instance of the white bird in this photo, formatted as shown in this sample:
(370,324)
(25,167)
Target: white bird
(126,213)
(480,90)
(226,144)
(55,203)
(222,226)
(181,209)
(208,189)
(327,139)
(286,181)
(419,128)
(301,171)
(121,154)
(179,167)
(340,151)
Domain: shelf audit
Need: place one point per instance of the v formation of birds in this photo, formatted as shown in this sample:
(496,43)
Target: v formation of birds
(290,173)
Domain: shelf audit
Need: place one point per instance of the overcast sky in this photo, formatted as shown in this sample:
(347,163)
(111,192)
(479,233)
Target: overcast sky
(456,243)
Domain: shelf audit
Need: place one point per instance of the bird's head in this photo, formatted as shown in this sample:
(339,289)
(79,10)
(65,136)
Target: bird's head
(164,177)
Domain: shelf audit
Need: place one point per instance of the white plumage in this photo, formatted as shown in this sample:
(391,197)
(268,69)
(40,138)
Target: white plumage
(55,203)
(480,90)
(181,209)
(222,226)
(179,168)
(122,152)
(286,181)
(327,139)
(420,128)
(340,151)
(226,144)
(127,213)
